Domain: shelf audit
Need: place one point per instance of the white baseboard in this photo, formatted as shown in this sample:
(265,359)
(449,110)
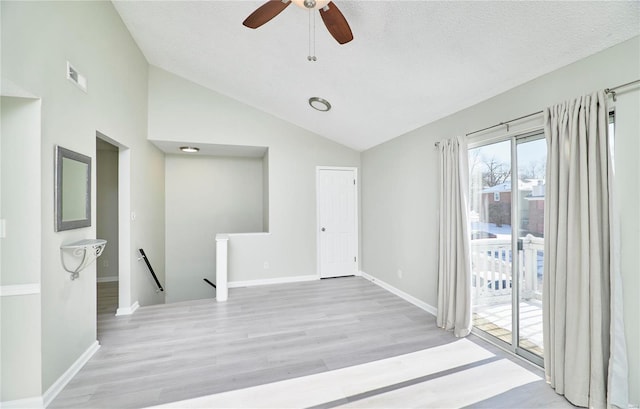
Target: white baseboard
(66,377)
(413,300)
(29,403)
(108,279)
(128,310)
(268,281)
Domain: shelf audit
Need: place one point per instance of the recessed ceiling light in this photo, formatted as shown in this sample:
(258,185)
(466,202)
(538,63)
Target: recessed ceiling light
(319,104)
(189,149)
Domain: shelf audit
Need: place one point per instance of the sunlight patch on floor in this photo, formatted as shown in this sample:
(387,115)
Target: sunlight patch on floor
(457,390)
(457,367)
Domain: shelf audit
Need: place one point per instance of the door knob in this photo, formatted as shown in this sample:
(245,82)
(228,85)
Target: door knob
(322,229)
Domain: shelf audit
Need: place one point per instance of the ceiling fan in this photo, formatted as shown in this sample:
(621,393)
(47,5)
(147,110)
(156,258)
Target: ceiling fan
(331,16)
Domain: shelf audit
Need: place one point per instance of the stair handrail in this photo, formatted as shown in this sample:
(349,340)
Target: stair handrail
(209,282)
(153,274)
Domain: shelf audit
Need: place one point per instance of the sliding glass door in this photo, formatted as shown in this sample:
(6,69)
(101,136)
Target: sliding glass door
(491,239)
(507,241)
(531,154)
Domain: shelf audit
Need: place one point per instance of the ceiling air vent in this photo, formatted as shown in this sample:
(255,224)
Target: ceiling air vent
(74,76)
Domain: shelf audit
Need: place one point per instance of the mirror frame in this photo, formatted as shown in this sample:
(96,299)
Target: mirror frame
(61,225)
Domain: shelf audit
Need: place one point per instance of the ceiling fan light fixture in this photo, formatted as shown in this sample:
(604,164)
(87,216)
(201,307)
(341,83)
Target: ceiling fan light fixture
(189,149)
(311,4)
(319,104)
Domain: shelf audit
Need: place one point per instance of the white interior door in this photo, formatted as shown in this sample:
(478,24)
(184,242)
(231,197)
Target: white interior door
(337,222)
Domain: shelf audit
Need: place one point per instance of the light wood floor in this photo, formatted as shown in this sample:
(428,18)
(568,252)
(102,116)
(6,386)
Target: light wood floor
(171,352)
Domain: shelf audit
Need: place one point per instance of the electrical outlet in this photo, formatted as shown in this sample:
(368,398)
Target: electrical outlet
(399,273)
(266,265)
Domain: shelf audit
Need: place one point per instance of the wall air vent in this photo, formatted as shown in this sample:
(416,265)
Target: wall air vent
(74,76)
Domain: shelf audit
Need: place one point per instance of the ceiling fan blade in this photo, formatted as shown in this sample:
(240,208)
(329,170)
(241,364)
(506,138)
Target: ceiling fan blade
(265,13)
(336,23)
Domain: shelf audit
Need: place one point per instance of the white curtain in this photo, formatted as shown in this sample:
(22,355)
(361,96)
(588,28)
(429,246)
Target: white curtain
(578,253)
(454,266)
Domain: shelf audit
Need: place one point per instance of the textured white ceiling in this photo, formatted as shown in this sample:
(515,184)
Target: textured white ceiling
(410,63)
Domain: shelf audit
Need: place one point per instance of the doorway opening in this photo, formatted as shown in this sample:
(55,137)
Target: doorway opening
(507,241)
(123,222)
(107,275)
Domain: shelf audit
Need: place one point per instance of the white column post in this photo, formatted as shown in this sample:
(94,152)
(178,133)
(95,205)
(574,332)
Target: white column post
(222,292)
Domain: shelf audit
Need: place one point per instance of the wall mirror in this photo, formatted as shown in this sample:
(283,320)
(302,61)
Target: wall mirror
(72,189)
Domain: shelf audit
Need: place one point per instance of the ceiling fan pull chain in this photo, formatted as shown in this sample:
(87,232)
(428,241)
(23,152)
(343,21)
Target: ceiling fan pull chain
(312,37)
(309,43)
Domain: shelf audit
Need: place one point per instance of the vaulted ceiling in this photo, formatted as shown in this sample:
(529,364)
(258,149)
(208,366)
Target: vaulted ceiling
(410,63)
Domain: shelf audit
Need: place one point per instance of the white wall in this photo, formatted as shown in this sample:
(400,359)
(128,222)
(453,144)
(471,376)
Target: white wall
(20,356)
(205,196)
(177,106)
(107,211)
(37,40)
(400,188)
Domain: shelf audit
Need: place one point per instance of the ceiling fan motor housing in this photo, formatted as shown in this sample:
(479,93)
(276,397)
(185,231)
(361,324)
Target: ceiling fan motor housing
(311,4)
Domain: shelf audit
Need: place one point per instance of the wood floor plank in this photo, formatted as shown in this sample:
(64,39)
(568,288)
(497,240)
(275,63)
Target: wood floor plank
(165,353)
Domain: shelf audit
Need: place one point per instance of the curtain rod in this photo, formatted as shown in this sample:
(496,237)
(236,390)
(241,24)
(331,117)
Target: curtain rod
(504,123)
(497,125)
(611,91)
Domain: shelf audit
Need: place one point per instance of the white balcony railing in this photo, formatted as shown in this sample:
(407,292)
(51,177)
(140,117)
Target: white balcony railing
(491,263)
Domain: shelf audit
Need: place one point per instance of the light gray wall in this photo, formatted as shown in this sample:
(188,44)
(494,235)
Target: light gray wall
(37,40)
(107,211)
(20,356)
(20,185)
(20,342)
(206,196)
(265,192)
(177,105)
(400,181)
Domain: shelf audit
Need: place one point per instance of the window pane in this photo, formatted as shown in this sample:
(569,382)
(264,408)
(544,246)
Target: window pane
(491,257)
(532,161)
